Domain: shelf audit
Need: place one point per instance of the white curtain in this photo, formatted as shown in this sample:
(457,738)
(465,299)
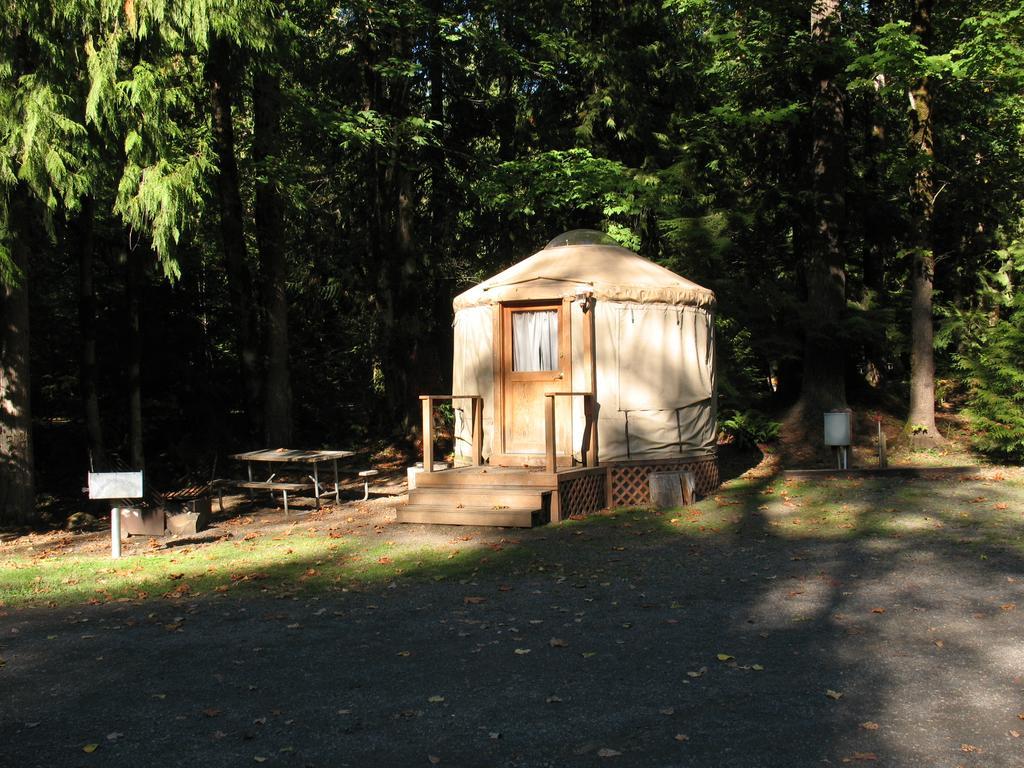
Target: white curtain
(535,340)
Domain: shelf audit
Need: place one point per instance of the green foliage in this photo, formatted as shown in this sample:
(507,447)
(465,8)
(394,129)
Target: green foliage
(425,145)
(994,368)
(750,428)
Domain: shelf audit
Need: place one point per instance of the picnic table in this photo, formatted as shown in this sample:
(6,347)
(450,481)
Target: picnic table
(267,458)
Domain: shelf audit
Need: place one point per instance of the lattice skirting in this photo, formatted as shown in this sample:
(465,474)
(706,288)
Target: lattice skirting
(582,494)
(630,486)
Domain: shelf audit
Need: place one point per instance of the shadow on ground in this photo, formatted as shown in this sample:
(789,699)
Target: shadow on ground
(704,637)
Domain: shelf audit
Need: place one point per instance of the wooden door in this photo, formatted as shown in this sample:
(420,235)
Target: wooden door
(535,358)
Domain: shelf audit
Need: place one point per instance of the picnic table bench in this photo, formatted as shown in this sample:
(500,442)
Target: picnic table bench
(291,457)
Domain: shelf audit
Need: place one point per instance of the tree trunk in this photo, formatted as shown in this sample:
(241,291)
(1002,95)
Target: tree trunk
(875,209)
(439,188)
(400,285)
(232,227)
(88,368)
(824,384)
(277,410)
(133,285)
(404,327)
(17,476)
(921,418)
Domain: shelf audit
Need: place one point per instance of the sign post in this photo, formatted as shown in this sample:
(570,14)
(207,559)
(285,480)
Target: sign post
(115,485)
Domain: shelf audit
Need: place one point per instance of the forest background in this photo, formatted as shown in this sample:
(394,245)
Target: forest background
(228,224)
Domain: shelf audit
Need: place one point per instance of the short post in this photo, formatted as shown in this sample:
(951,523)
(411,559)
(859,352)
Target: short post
(549,433)
(337,487)
(666,490)
(428,433)
(590,413)
(115,533)
(478,431)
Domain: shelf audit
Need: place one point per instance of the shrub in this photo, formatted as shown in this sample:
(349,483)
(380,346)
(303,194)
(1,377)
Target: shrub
(750,428)
(995,380)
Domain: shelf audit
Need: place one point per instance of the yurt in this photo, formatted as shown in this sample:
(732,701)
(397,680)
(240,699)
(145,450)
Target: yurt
(577,371)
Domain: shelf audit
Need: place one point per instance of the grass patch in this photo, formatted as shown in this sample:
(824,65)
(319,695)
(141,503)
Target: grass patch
(297,561)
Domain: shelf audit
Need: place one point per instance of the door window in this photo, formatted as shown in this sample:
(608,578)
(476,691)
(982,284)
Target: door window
(535,340)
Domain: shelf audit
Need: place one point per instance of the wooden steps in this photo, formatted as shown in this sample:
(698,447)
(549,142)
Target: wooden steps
(472,496)
(499,496)
(488,477)
(445,514)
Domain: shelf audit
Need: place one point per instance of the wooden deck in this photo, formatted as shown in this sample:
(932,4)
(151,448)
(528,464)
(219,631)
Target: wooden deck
(518,497)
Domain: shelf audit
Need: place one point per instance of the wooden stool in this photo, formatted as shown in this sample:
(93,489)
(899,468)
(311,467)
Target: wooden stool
(366,474)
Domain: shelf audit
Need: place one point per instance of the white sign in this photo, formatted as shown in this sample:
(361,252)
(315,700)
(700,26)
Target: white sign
(115,485)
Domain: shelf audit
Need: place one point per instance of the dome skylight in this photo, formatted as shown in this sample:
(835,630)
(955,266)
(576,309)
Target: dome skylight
(581,237)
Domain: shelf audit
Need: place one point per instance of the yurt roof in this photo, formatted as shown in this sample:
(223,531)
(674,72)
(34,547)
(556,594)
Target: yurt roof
(587,262)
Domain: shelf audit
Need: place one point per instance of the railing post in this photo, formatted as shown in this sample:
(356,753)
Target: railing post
(428,433)
(478,431)
(590,405)
(549,433)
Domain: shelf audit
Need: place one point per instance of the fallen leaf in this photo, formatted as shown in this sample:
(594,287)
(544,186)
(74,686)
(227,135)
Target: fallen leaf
(834,695)
(436,699)
(681,737)
(588,654)
(667,711)
(474,600)
(557,642)
(260,759)
(860,757)
(405,653)
(970,748)
(1008,607)
(90,748)
(114,736)
(757,667)
(553,700)
(1015,734)
(522,651)
(939,644)
(724,657)
(698,673)
(434,759)
(869,726)
(494,735)
(878,610)
(606,752)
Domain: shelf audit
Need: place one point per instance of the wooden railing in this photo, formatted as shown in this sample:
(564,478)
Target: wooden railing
(477,410)
(588,448)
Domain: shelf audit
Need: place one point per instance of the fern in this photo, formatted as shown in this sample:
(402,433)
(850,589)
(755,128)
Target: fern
(751,428)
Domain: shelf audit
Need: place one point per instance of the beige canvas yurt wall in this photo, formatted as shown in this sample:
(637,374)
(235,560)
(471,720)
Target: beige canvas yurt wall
(654,349)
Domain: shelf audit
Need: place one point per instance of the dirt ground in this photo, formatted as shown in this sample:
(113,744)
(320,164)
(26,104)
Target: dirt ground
(608,645)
